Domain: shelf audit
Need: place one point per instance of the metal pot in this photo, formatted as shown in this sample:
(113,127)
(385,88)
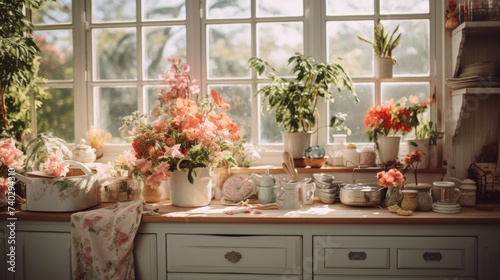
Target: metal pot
(360,194)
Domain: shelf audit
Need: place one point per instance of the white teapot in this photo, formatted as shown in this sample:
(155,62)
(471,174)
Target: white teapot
(84,153)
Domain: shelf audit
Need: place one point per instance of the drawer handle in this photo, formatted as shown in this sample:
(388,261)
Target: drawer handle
(432,256)
(233,256)
(357,256)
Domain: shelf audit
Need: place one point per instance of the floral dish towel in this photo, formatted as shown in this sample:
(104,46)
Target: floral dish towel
(102,241)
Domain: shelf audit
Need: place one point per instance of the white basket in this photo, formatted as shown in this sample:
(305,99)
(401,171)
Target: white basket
(62,194)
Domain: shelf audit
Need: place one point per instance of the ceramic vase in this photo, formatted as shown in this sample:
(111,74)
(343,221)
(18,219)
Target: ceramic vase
(392,196)
(186,194)
(387,148)
(409,201)
(424,197)
(420,144)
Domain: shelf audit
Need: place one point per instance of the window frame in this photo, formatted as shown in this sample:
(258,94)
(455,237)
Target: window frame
(197,57)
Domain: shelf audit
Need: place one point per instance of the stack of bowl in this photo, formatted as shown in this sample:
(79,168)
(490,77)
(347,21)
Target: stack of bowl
(327,190)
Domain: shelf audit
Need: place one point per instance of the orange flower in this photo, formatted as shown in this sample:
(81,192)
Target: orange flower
(219,101)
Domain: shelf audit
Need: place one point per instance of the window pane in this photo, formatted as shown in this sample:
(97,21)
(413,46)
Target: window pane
(161,43)
(223,9)
(113,10)
(228,50)
(404,7)
(151,95)
(56,115)
(163,10)
(53,12)
(113,104)
(279,41)
(404,90)
(56,51)
(413,53)
(266,8)
(240,99)
(357,56)
(115,54)
(344,103)
(270,132)
(349,7)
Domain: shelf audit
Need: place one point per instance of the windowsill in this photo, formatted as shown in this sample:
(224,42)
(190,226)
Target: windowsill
(273,169)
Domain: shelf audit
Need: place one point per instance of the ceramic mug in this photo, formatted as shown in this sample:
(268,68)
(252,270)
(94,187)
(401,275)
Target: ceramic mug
(445,192)
(308,193)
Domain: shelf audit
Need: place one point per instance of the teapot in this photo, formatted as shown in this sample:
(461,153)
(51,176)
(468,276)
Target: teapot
(265,180)
(84,153)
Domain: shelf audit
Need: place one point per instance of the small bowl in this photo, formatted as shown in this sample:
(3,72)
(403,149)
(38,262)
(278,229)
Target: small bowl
(321,185)
(323,177)
(327,198)
(315,162)
(327,191)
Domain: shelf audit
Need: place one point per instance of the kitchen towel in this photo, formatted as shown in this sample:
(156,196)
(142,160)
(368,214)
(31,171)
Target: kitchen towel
(102,241)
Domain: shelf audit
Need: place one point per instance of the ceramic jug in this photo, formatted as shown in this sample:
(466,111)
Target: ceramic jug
(288,195)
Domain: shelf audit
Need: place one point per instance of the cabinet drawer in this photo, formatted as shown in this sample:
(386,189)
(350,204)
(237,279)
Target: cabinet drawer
(451,253)
(234,254)
(334,254)
(191,276)
(357,258)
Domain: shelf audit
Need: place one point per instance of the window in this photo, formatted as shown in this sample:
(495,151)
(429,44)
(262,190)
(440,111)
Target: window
(102,58)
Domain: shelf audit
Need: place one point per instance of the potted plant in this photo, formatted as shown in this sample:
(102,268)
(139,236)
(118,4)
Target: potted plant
(385,124)
(295,100)
(383,46)
(189,135)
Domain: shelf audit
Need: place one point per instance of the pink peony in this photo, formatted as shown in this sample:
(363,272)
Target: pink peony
(55,164)
(10,155)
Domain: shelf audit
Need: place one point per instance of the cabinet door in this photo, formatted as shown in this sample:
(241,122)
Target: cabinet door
(145,257)
(43,255)
(3,254)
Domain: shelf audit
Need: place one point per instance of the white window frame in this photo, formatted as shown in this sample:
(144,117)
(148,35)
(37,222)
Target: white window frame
(84,111)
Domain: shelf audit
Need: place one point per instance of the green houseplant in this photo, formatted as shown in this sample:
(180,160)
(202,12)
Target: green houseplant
(19,60)
(383,47)
(295,100)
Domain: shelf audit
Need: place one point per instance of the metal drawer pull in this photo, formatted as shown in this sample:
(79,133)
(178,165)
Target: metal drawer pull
(233,256)
(432,256)
(357,256)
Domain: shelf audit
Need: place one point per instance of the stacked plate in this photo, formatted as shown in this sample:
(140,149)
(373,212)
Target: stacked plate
(446,208)
(479,74)
(327,190)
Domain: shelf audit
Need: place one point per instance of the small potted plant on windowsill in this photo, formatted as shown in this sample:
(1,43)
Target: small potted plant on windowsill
(383,46)
(295,100)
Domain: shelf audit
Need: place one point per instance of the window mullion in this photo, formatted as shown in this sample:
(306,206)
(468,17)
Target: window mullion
(83,113)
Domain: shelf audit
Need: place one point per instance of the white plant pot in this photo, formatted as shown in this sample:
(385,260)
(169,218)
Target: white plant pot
(383,67)
(388,148)
(185,194)
(296,143)
(420,144)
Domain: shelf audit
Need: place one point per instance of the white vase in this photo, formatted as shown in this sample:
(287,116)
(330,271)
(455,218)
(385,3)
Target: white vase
(296,143)
(185,194)
(387,148)
(383,67)
(419,144)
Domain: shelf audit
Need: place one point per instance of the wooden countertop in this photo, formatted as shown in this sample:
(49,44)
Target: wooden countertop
(318,213)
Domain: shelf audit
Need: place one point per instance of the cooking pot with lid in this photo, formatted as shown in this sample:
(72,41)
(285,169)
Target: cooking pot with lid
(360,194)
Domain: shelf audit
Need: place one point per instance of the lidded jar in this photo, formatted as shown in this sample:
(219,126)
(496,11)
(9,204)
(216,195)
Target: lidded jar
(468,193)
(409,201)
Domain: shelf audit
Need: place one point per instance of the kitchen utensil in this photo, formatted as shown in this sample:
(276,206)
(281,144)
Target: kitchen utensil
(288,160)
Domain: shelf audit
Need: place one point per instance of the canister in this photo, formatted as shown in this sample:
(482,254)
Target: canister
(367,156)
(468,193)
(351,156)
